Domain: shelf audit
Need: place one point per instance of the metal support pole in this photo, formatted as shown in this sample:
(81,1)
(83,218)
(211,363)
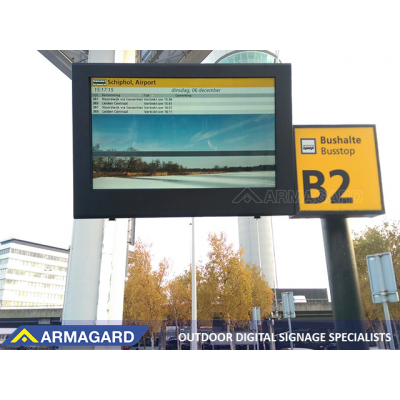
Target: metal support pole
(384,295)
(258,243)
(343,282)
(255,321)
(275,273)
(255,326)
(193,343)
(290,333)
(388,323)
(271,330)
(257,342)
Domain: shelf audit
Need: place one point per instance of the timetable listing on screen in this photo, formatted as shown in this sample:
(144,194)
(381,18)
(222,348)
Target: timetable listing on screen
(183,96)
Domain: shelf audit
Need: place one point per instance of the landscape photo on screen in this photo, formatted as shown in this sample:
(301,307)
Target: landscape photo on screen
(183,133)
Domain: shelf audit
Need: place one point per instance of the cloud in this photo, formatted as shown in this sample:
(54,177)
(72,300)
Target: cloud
(236,139)
(200,136)
(126,138)
(211,146)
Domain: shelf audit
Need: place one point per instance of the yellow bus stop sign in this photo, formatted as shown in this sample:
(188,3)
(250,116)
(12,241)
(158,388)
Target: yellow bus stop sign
(337,169)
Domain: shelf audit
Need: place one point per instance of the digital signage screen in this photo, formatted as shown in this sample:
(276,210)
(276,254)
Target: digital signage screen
(181,140)
(162,133)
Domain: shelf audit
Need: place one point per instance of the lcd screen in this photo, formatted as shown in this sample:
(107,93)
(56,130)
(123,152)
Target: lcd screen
(183,133)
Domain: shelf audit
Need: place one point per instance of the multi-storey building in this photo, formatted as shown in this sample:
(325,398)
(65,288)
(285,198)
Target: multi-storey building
(31,274)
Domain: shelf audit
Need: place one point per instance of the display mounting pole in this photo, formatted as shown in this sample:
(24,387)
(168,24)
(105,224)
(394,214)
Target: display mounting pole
(257,218)
(343,282)
(193,343)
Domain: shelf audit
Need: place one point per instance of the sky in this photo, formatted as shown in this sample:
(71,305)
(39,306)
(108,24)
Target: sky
(188,133)
(184,132)
(353,87)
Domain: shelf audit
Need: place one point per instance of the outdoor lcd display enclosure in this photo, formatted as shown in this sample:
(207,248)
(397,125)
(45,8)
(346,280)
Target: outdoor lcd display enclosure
(182,140)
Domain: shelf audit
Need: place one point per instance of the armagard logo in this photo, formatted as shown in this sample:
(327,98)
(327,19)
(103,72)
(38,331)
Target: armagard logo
(24,335)
(76,335)
(246,195)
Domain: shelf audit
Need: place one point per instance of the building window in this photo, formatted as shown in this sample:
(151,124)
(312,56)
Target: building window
(35,274)
(45,267)
(39,255)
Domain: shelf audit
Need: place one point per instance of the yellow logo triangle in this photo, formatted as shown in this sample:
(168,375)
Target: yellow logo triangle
(25,336)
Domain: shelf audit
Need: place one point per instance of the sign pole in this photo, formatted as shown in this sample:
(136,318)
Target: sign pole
(343,282)
(255,322)
(290,332)
(384,295)
(288,311)
(255,326)
(388,324)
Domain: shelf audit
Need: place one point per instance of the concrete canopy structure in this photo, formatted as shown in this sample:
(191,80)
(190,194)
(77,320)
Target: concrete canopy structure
(63,59)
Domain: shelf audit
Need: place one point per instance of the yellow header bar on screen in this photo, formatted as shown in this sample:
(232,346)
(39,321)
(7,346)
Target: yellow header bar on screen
(183,82)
